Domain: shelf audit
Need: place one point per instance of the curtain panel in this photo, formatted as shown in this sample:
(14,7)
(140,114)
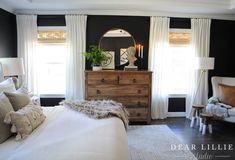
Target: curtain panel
(75,62)
(159,41)
(27,41)
(200,48)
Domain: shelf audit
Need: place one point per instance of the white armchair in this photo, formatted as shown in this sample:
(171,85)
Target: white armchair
(217,108)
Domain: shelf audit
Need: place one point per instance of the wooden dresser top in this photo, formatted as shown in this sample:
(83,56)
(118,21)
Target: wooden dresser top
(118,71)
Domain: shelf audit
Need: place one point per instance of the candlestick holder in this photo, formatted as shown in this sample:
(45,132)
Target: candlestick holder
(142,63)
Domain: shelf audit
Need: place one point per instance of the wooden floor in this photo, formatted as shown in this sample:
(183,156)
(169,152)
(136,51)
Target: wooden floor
(223,135)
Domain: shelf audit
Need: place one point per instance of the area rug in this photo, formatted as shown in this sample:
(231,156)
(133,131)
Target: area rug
(155,142)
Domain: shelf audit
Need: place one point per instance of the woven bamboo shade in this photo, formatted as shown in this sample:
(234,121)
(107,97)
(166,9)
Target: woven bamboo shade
(51,36)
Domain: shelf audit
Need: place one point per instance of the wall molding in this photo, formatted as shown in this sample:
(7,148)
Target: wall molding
(176,114)
(127,13)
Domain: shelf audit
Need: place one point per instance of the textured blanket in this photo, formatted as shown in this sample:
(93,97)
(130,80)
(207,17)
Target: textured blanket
(219,110)
(99,109)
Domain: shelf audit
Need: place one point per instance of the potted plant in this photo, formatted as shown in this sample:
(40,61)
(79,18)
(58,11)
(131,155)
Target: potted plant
(96,56)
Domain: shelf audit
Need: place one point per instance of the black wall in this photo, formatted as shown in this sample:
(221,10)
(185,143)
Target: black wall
(8,34)
(138,27)
(223,49)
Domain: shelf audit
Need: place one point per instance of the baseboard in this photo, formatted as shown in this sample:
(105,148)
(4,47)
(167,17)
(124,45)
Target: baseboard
(176,114)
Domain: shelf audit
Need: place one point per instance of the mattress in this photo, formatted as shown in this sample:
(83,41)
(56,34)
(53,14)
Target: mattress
(67,134)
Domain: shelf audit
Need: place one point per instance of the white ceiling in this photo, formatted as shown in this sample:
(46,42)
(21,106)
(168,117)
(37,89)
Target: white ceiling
(221,8)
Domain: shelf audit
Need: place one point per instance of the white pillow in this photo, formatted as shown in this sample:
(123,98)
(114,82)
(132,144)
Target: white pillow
(7,85)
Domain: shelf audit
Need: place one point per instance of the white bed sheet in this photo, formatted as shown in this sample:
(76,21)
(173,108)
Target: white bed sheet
(67,134)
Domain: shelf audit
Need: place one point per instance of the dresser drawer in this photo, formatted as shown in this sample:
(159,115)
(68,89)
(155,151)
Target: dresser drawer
(134,79)
(133,101)
(138,113)
(129,102)
(116,91)
(102,78)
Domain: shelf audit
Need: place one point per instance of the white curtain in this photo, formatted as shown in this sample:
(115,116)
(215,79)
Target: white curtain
(200,48)
(75,63)
(158,46)
(27,40)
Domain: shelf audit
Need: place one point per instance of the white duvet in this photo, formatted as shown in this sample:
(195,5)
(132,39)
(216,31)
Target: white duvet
(69,135)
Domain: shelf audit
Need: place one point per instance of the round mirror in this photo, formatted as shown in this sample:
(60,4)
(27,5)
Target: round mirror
(115,42)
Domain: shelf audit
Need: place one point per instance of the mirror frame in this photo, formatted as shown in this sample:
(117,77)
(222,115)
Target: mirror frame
(117,66)
(116,29)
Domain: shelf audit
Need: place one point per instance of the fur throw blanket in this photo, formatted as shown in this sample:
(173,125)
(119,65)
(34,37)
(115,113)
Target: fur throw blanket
(99,109)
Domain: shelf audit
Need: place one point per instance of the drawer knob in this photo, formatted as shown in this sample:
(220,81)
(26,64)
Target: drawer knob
(139,91)
(134,80)
(102,80)
(138,103)
(138,114)
(98,92)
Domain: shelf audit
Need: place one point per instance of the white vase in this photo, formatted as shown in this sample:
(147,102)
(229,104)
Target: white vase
(96,68)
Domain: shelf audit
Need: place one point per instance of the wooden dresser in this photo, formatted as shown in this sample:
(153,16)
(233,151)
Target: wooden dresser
(131,88)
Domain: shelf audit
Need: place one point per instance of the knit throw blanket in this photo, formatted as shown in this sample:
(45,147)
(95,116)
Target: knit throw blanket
(99,109)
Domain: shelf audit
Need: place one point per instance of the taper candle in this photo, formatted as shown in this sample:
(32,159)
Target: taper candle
(139,50)
(142,51)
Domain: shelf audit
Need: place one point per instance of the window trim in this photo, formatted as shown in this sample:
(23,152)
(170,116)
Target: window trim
(178,30)
(52,95)
(48,28)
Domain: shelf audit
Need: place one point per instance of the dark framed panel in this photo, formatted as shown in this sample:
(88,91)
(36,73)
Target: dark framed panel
(222,48)
(176,104)
(51,101)
(51,20)
(182,23)
(137,26)
(8,34)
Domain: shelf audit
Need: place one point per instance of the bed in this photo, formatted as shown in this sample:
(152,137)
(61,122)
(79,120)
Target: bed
(67,134)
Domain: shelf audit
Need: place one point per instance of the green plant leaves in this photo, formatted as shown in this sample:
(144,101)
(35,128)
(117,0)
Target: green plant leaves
(95,55)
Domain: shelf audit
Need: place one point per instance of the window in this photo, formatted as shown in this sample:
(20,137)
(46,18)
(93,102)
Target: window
(179,58)
(51,56)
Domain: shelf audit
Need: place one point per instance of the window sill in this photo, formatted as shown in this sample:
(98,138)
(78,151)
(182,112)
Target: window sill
(179,95)
(52,96)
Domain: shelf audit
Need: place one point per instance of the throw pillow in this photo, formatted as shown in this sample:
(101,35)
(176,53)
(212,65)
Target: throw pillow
(227,94)
(34,99)
(18,99)
(25,91)
(7,86)
(25,120)
(5,107)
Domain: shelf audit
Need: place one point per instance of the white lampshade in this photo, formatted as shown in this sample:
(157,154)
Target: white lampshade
(12,66)
(205,63)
